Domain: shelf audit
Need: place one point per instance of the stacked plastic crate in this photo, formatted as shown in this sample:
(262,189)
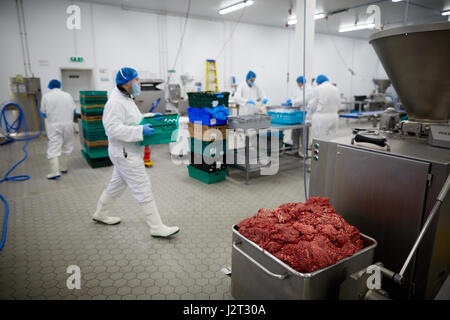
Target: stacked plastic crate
(208,112)
(95,141)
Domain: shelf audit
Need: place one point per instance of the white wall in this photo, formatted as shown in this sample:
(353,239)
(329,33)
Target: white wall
(111,37)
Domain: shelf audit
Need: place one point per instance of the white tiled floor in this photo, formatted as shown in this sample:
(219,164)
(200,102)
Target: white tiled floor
(50,228)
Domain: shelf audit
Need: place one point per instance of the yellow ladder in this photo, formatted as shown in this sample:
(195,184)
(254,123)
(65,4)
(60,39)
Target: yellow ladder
(211,68)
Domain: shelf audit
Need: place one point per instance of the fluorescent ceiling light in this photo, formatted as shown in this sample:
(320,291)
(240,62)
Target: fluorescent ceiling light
(318,16)
(293,20)
(446,13)
(236,6)
(357,27)
(396,0)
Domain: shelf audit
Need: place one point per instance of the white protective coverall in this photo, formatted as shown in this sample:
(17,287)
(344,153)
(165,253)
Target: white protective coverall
(325,119)
(310,97)
(121,119)
(244,93)
(58,106)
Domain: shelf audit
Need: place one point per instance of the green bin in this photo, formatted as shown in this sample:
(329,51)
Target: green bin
(205,99)
(166,129)
(209,149)
(207,177)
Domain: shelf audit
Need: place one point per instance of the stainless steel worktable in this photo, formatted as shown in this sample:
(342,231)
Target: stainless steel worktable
(247,167)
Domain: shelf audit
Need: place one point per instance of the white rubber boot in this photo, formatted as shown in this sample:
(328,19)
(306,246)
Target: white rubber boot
(54,169)
(157,228)
(103,208)
(63,163)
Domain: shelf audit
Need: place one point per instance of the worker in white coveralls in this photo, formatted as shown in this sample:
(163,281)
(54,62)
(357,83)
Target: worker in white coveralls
(325,119)
(58,108)
(248,95)
(121,119)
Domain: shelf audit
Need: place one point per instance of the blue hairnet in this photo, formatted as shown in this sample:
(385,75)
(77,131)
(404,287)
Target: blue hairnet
(54,84)
(250,75)
(124,75)
(321,79)
(301,79)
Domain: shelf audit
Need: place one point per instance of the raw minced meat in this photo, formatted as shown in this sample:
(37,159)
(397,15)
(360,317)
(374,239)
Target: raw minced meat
(307,236)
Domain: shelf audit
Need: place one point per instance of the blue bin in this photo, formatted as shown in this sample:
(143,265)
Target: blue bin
(204,116)
(289,117)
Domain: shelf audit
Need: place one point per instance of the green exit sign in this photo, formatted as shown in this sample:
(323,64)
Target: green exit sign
(76,59)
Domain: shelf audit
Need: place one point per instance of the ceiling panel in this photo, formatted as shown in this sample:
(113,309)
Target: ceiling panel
(275,12)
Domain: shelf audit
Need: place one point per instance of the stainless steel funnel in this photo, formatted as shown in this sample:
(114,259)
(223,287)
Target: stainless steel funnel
(382,84)
(417,61)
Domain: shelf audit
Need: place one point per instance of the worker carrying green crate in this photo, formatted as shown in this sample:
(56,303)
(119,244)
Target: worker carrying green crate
(121,119)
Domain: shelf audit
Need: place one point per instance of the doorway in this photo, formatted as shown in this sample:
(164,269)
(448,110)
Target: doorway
(76,80)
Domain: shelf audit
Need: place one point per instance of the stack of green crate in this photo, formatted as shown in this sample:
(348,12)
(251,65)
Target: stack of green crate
(95,140)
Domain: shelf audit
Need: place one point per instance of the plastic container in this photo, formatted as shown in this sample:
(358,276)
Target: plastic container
(93,101)
(286,116)
(208,164)
(92,125)
(90,94)
(204,117)
(205,133)
(204,99)
(94,134)
(97,143)
(214,149)
(94,110)
(93,97)
(96,152)
(251,121)
(166,129)
(96,162)
(207,177)
(92,118)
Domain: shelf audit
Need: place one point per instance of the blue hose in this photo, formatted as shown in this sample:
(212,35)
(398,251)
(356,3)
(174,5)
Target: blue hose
(12,128)
(5,223)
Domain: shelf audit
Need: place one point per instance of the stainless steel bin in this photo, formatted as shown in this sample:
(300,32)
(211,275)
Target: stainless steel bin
(258,275)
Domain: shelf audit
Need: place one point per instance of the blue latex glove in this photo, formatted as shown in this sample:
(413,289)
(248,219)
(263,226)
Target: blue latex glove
(74,112)
(264,101)
(251,102)
(44,115)
(289,102)
(147,130)
(220,112)
(285,104)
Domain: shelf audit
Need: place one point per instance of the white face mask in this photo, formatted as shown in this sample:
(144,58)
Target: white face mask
(135,88)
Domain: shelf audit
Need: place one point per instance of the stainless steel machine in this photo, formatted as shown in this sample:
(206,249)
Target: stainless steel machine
(27,93)
(378,99)
(149,94)
(387,182)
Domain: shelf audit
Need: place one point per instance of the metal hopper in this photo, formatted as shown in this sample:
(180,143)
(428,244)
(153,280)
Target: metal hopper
(417,61)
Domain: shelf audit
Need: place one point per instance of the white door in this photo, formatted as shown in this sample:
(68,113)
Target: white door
(74,81)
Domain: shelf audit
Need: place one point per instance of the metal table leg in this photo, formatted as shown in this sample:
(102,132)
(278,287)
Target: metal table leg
(247,158)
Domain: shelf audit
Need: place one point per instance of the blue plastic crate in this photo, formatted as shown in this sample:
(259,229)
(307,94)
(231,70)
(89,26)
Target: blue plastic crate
(204,116)
(287,116)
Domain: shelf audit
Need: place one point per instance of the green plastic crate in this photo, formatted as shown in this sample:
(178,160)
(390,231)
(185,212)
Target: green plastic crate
(92,111)
(95,125)
(209,149)
(205,99)
(95,135)
(96,152)
(93,101)
(93,93)
(96,162)
(166,129)
(93,97)
(207,177)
